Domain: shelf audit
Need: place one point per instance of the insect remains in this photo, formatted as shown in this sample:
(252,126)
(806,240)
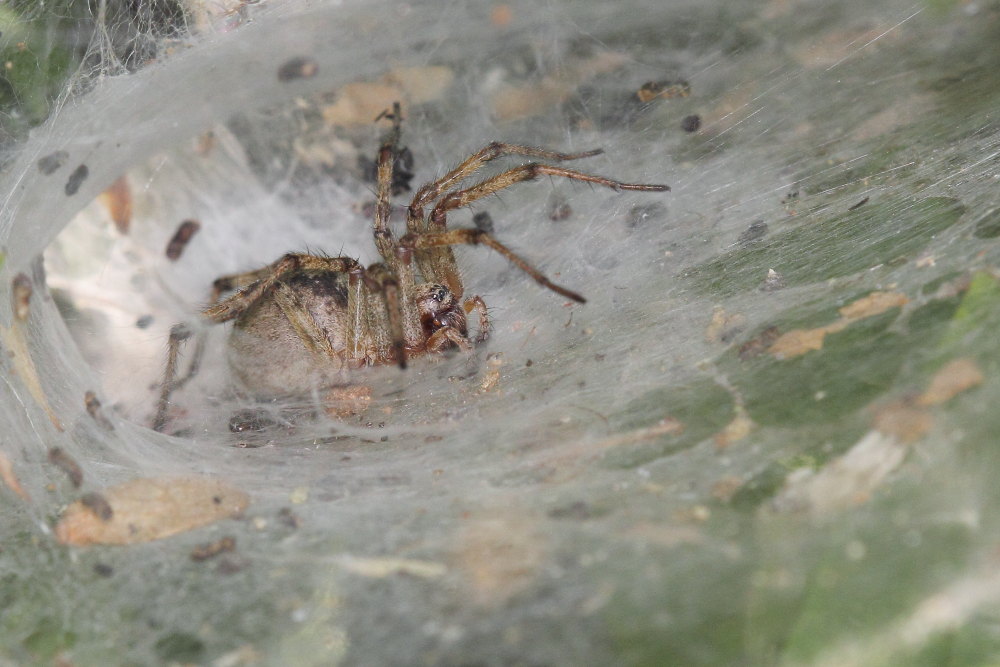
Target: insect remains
(308,322)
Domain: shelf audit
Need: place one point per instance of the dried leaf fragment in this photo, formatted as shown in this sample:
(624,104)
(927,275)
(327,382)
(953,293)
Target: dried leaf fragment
(734,431)
(499,555)
(532,99)
(380,568)
(10,479)
(873,304)
(844,482)
(799,341)
(951,379)
(664,90)
(21,290)
(723,325)
(147,509)
(24,367)
(360,102)
(421,84)
(903,420)
(118,200)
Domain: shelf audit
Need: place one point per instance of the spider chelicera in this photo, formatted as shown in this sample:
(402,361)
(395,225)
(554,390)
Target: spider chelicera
(306,322)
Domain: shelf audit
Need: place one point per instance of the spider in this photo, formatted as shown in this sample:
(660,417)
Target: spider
(308,321)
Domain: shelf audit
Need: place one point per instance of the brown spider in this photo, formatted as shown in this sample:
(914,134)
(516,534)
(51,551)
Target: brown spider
(307,321)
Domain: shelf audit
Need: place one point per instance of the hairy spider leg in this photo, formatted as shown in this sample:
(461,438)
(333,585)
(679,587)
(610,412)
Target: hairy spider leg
(441,261)
(400,308)
(386,296)
(384,165)
(444,272)
(476,237)
(476,303)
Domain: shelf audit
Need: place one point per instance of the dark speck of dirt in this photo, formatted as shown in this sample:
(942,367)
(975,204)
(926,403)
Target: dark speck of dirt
(76,179)
(298,68)
(483,221)
(51,162)
(691,123)
(181,238)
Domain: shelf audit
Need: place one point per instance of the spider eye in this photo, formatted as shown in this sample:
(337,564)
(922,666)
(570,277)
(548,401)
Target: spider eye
(440,294)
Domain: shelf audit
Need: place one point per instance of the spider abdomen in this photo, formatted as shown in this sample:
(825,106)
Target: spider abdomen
(269,356)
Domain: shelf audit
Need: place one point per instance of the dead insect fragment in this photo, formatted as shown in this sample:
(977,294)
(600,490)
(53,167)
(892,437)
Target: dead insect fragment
(65,462)
(181,238)
(21,288)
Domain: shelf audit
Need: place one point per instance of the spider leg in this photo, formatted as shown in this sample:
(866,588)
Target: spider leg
(219,287)
(237,304)
(383,189)
(441,265)
(304,325)
(432,191)
(381,279)
(527,172)
(178,334)
(476,237)
(441,261)
(477,303)
(444,337)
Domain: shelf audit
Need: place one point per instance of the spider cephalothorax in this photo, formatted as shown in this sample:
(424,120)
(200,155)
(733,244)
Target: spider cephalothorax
(438,309)
(306,321)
